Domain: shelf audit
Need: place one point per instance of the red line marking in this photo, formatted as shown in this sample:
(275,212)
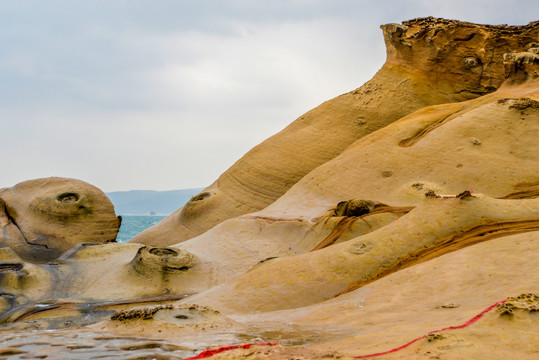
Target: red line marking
(210,352)
(467,323)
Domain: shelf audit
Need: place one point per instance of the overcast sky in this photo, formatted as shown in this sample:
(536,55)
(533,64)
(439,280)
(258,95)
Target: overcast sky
(156,94)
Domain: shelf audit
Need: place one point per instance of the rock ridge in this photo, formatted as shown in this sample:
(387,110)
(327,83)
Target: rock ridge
(429,61)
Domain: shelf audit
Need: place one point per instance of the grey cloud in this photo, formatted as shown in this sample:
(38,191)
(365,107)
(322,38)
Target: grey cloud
(168,94)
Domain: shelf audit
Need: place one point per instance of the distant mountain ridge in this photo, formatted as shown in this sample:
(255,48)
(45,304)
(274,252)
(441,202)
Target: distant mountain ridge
(150,202)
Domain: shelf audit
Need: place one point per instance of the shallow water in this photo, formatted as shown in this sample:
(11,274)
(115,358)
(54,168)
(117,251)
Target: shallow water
(134,224)
(83,344)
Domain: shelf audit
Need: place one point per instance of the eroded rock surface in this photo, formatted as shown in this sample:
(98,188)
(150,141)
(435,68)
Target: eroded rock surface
(435,227)
(390,228)
(487,145)
(41,219)
(429,61)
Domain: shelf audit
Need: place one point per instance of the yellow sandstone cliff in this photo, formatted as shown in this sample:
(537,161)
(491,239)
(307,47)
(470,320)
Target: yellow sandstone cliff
(429,61)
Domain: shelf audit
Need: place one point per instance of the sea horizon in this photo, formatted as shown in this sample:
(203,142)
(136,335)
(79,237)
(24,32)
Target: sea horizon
(133,225)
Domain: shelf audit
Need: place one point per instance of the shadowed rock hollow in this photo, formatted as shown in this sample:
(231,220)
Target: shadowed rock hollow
(387,214)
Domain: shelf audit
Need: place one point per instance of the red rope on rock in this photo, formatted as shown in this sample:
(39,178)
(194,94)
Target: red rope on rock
(467,323)
(210,352)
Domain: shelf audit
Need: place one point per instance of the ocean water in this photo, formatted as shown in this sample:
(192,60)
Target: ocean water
(132,225)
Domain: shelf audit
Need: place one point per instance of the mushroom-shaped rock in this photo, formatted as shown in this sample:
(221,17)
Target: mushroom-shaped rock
(41,219)
(158,264)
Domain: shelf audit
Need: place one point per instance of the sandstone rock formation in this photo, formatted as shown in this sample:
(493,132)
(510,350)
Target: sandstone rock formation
(429,61)
(435,227)
(41,219)
(487,145)
(408,223)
